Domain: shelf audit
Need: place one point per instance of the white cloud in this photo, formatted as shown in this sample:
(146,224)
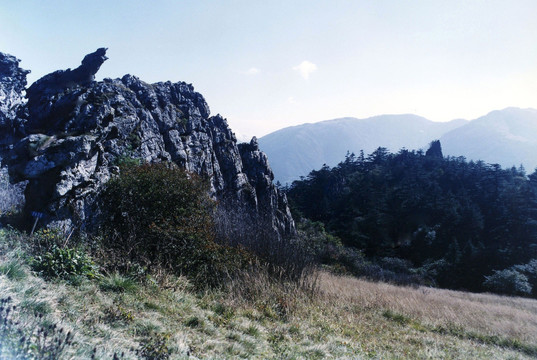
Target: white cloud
(291,100)
(252,71)
(305,68)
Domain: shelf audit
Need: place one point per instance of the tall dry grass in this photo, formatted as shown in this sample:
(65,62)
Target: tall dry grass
(259,316)
(487,314)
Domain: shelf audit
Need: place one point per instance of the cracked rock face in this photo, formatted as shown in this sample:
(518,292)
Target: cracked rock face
(78,130)
(12,85)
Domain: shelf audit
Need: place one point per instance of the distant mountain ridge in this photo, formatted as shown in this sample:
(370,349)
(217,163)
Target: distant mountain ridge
(295,151)
(507,137)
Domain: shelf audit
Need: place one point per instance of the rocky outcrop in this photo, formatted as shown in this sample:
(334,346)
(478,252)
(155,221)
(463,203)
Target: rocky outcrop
(260,177)
(12,85)
(48,97)
(435,149)
(79,130)
(12,101)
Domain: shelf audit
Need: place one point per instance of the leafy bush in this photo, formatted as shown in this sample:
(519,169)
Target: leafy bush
(47,239)
(397,265)
(65,263)
(322,245)
(530,270)
(508,281)
(387,269)
(161,216)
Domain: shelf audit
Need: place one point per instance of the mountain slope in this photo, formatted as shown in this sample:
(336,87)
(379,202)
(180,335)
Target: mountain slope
(507,137)
(295,151)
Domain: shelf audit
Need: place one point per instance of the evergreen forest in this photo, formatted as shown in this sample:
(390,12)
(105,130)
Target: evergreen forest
(449,222)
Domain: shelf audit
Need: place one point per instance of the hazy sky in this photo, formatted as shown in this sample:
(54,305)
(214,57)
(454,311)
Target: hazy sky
(265,65)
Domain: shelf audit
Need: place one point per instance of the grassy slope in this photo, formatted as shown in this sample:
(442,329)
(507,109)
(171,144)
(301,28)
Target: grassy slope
(347,318)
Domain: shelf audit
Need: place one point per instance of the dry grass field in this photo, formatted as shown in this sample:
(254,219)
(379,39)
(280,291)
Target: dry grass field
(485,314)
(344,318)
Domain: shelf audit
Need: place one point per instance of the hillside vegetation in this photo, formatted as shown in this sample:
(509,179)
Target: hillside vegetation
(438,221)
(296,150)
(167,277)
(163,316)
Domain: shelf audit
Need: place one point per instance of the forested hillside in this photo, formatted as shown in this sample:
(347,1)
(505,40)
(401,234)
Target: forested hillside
(296,150)
(463,225)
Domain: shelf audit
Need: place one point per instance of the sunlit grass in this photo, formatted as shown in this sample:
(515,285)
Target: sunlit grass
(256,318)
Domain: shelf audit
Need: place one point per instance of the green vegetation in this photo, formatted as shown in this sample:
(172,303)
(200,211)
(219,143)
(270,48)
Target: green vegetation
(65,263)
(13,269)
(118,283)
(164,317)
(170,277)
(45,341)
(420,218)
(161,217)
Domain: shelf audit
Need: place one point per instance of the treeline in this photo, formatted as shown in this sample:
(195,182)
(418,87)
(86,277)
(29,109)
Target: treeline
(463,225)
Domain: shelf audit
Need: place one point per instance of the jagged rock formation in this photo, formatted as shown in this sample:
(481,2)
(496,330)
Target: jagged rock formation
(260,177)
(50,99)
(435,149)
(12,85)
(78,130)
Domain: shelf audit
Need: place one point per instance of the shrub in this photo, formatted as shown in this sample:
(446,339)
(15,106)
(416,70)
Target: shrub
(65,263)
(160,216)
(530,270)
(508,281)
(387,269)
(322,245)
(47,239)
(284,257)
